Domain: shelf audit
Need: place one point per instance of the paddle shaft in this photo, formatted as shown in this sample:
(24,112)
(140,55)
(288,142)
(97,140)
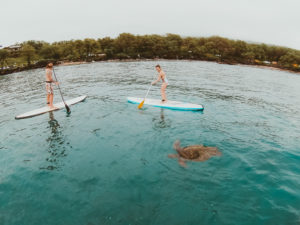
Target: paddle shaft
(62,97)
(148,91)
(142,103)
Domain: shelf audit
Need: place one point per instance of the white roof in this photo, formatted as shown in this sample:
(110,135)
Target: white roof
(14,46)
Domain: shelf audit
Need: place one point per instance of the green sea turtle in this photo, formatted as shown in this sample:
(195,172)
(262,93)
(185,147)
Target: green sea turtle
(196,153)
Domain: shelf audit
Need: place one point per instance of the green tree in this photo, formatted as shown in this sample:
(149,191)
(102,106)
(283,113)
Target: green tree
(28,52)
(108,46)
(239,49)
(159,48)
(259,52)
(37,45)
(188,48)
(173,45)
(3,57)
(51,52)
(211,47)
(80,49)
(273,53)
(170,46)
(200,52)
(145,46)
(91,48)
(127,45)
(248,57)
(289,59)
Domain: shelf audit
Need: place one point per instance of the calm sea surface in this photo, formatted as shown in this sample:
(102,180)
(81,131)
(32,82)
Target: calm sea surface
(107,162)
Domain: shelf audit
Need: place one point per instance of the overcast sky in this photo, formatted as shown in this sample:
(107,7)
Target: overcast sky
(268,21)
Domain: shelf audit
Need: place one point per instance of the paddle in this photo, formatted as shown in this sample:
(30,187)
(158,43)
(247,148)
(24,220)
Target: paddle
(142,103)
(67,107)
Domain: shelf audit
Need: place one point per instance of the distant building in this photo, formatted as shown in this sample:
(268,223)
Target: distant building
(97,54)
(267,62)
(14,48)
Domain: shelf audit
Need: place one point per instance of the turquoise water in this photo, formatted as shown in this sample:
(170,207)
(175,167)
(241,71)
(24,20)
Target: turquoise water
(107,162)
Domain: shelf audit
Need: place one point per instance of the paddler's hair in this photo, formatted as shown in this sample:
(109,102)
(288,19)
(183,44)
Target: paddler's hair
(157,66)
(49,65)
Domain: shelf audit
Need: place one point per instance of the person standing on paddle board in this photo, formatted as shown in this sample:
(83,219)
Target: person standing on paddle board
(161,76)
(49,87)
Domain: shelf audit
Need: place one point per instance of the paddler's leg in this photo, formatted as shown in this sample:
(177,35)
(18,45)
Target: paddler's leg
(51,101)
(48,94)
(51,97)
(48,99)
(163,92)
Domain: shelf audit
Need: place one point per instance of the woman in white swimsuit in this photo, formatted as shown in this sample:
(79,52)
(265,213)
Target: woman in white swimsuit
(161,76)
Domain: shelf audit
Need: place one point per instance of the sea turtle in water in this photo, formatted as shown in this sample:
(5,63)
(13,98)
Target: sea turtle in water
(196,153)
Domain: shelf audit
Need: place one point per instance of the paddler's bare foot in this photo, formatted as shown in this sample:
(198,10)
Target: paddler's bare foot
(52,107)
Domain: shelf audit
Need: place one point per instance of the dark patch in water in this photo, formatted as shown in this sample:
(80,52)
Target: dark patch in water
(49,168)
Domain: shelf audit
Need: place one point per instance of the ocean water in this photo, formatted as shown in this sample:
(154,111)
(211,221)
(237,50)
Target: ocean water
(106,163)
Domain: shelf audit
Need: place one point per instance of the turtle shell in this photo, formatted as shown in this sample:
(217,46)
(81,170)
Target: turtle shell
(191,152)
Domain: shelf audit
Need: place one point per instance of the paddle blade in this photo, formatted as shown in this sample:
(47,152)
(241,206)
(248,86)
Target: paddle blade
(68,109)
(141,104)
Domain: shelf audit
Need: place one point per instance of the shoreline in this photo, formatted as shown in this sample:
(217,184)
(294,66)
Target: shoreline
(141,60)
(270,68)
(20,69)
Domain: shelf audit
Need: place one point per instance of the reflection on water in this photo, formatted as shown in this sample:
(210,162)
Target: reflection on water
(160,121)
(56,144)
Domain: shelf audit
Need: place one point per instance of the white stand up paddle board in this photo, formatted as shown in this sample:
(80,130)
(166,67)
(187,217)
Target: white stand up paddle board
(45,109)
(168,104)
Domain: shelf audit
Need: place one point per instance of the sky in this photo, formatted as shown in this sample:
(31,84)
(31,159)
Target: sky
(274,22)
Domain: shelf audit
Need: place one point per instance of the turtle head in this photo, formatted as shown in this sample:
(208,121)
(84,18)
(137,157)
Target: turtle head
(176,146)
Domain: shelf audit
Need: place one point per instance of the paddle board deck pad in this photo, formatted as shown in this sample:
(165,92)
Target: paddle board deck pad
(46,109)
(168,104)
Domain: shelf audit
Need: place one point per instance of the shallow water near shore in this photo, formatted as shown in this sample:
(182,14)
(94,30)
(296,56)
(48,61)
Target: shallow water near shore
(107,163)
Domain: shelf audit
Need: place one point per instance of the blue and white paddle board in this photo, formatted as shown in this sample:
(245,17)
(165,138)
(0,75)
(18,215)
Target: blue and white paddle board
(45,109)
(168,104)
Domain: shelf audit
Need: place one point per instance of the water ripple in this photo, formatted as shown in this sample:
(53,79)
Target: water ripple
(107,162)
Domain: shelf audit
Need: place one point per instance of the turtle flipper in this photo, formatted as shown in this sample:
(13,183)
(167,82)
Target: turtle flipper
(182,162)
(176,145)
(213,151)
(173,156)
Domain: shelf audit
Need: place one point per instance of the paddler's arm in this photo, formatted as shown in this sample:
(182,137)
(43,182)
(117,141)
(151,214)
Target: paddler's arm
(158,79)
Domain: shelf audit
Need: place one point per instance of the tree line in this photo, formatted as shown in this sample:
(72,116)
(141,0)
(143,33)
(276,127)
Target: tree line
(170,46)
